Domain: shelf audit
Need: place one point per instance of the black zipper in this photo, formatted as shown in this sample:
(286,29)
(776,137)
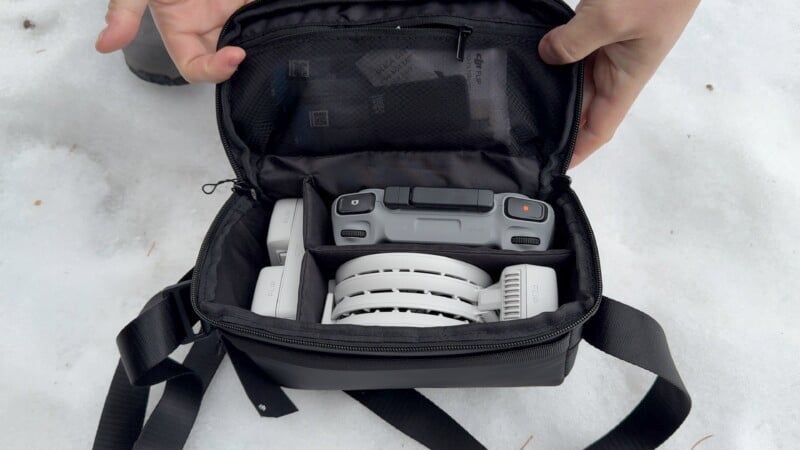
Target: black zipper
(459,27)
(576,122)
(463,32)
(239,185)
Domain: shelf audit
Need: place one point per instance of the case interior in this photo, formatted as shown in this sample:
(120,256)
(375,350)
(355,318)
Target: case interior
(430,125)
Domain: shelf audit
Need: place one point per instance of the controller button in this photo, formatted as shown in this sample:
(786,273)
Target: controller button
(525,240)
(356,203)
(531,210)
(353,233)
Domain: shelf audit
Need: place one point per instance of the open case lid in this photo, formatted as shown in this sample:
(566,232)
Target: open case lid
(373,93)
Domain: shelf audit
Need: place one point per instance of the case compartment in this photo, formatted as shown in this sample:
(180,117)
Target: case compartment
(261,115)
(321,263)
(236,252)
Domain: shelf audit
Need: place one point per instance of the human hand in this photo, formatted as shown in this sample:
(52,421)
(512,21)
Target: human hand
(190,30)
(624,42)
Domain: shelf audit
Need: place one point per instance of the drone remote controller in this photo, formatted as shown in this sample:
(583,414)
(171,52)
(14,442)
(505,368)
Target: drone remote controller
(442,216)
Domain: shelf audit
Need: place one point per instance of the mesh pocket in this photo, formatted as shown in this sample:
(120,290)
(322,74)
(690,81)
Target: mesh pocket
(335,91)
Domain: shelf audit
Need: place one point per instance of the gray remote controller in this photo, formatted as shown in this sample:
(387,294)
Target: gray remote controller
(442,216)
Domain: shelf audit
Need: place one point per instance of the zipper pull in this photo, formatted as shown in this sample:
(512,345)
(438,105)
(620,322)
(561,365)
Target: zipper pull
(239,186)
(243,187)
(463,33)
(209,188)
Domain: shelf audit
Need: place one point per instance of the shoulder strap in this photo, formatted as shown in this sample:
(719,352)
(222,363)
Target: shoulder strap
(635,337)
(166,322)
(620,331)
(417,417)
(145,344)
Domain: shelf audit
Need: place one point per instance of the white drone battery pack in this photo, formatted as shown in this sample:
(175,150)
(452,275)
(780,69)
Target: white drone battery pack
(267,292)
(286,215)
(277,287)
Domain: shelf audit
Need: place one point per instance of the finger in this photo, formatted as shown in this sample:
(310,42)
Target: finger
(589,30)
(589,90)
(197,65)
(123,19)
(601,120)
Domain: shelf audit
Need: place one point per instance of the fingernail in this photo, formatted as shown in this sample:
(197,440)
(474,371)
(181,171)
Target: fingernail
(233,63)
(100,36)
(544,49)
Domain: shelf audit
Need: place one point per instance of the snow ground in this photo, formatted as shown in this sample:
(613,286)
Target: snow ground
(694,203)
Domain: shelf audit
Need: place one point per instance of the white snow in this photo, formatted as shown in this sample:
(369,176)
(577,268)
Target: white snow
(694,203)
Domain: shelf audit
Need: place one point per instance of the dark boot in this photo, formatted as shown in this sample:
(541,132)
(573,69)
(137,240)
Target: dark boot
(147,57)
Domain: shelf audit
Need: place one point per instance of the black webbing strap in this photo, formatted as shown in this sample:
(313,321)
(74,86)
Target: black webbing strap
(419,418)
(635,337)
(616,329)
(145,345)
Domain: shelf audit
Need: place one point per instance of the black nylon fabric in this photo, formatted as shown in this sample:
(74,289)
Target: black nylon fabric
(419,418)
(266,395)
(256,21)
(633,336)
(616,329)
(123,413)
(148,341)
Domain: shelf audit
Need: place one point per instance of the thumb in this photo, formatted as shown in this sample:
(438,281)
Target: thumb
(123,19)
(576,39)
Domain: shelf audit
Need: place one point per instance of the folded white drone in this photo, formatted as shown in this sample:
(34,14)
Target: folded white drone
(422,290)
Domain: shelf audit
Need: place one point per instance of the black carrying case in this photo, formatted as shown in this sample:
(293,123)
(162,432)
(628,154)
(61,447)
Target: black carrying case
(331,100)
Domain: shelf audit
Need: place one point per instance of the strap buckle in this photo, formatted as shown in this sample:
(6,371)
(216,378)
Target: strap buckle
(180,295)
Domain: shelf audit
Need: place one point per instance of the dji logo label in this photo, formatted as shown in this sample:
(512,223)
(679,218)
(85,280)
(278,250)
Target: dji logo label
(318,119)
(272,289)
(478,68)
(299,68)
(378,106)
(533,293)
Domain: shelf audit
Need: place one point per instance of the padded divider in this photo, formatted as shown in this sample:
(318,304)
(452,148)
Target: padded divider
(490,260)
(327,259)
(313,287)
(317,229)
(587,279)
